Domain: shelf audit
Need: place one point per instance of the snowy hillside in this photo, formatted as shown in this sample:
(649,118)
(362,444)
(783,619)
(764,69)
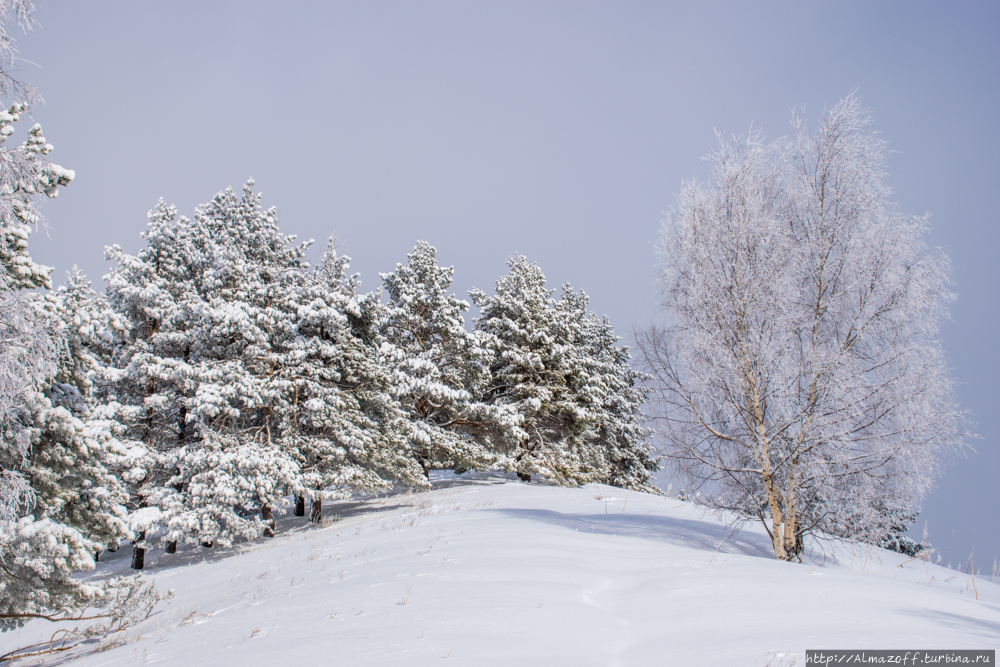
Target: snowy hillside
(491,571)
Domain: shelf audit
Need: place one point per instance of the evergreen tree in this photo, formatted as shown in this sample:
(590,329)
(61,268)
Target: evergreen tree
(896,538)
(25,174)
(617,397)
(59,505)
(348,431)
(440,369)
(537,370)
(72,444)
(208,306)
(54,493)
(78,506)
(27,348)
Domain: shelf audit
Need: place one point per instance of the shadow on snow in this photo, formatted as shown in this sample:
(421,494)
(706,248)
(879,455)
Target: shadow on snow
(702,535)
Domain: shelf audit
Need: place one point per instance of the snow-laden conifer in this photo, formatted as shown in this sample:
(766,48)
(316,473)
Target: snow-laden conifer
(25,173)
(73,444)
(59,505)
(78,505)
(347,429)
(53,493)
(618,392)
(26,349)
(207,305)
(537,370)
(440,370)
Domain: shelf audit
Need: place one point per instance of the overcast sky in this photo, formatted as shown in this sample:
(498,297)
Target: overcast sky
(560,130)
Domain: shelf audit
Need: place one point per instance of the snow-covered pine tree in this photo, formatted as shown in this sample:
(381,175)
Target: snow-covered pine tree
(537,370)
(142,393)
(78,506)
(348,430)
(26,173)
(441,369)
(208,307)
(896,538)
(616,396)
(58,503)
(72,444)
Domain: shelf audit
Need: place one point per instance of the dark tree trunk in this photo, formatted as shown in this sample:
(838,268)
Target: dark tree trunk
(268,520)
(316,511)
(181,437)
(524,476)
(422,460)
(138,553)
(300,506)
(97,556)
(207,545)
(798,548)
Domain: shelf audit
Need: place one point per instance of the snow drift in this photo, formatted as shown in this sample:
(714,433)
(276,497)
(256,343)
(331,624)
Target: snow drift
(484,570)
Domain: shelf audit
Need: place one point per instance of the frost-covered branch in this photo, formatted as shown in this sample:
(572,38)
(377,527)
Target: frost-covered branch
(802,372)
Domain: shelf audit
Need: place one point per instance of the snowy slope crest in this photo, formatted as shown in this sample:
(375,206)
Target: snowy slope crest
(489,571)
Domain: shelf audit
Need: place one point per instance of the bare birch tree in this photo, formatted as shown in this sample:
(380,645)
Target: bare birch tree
(801,382)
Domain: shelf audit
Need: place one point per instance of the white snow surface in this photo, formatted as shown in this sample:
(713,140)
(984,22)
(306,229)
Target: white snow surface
(485,570)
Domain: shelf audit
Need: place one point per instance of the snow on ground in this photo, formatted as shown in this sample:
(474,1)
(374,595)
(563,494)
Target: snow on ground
(490,571)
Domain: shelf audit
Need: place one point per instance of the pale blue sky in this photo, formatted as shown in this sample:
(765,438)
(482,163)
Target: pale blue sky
(561,130)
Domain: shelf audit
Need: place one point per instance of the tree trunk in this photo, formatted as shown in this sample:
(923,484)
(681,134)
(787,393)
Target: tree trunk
(524,476)
(208,544)
(97,555)
(267,518)
(181,437)
(300,506)
(793,539)
(777,538)
(772,490)
(316,511)
(798,547)
(138,553)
